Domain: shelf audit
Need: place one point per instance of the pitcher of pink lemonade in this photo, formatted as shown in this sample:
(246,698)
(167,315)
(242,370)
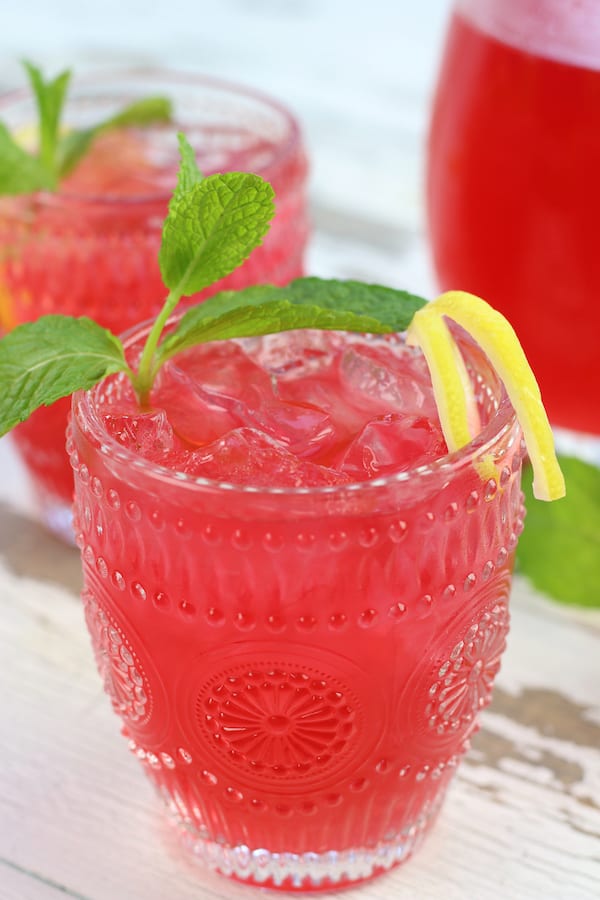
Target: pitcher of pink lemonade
(513,183)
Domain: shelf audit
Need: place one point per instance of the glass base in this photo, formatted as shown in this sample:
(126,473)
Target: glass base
(304,872)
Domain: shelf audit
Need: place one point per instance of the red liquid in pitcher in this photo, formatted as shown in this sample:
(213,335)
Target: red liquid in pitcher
(513,197)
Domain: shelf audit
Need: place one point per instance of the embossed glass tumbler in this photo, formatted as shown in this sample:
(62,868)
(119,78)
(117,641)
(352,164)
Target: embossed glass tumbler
(91,248)
(299,669)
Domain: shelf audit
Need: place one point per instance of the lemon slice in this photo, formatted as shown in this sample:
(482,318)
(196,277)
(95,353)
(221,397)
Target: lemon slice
(452,388)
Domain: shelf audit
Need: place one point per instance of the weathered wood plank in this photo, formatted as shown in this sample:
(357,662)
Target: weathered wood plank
(16,884)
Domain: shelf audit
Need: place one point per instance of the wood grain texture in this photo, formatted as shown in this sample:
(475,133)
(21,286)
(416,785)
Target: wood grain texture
(25,885)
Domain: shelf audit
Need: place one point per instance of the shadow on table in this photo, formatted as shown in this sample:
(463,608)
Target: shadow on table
(29,551)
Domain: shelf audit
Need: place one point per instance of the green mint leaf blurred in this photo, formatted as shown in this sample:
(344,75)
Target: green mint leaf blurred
(24,173)
(140,113)
(212,228)
(559,549)
(50,358)
(75,144)
(305,303)
(20,173)
(50,98)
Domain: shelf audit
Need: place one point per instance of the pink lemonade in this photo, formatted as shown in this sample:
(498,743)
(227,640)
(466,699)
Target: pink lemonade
(297,599)
(91,249)
(513,185)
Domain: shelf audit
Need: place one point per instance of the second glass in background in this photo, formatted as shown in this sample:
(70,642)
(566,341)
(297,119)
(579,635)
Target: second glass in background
(91,248)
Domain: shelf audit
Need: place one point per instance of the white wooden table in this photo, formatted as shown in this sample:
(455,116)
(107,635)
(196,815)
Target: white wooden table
(77,818)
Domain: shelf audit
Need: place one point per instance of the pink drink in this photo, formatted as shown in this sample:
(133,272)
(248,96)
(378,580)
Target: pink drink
(91,249)
(297,601)
(513,183)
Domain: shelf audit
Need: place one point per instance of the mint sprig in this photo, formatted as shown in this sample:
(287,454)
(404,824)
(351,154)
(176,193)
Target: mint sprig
(212,226)
(58,153)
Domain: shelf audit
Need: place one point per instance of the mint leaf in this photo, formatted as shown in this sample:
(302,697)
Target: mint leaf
(212,228)
(20,173)
(50,97)
(390,306)
(139,113)
(75,144)
(50,358)
(72,147)
(189,174)
(559,549)
(305,303)
(267,318)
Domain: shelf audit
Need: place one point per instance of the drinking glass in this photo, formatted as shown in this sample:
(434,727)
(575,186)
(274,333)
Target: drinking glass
(299,670)
(91,248)
(513,184)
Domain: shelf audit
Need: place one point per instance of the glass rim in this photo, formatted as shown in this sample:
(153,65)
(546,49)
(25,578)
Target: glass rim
(284,149)
(555,30)
(500,424)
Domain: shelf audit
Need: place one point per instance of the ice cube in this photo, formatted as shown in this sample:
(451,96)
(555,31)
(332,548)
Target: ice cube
(294,354)
(325,393)
(304,429)
(392,443)
(225,370)
(246,456)
(384,379)
(149,434)
(197,416)
(211,392)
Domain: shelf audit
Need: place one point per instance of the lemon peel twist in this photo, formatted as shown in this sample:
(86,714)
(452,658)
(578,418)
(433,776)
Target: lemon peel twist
(453,391)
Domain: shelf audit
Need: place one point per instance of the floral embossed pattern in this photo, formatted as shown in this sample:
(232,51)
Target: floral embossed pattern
(465,679)
(454,681)
(283,720)
(121,671)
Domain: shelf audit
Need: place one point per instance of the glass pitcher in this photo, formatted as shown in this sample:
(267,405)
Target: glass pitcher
(513,183)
